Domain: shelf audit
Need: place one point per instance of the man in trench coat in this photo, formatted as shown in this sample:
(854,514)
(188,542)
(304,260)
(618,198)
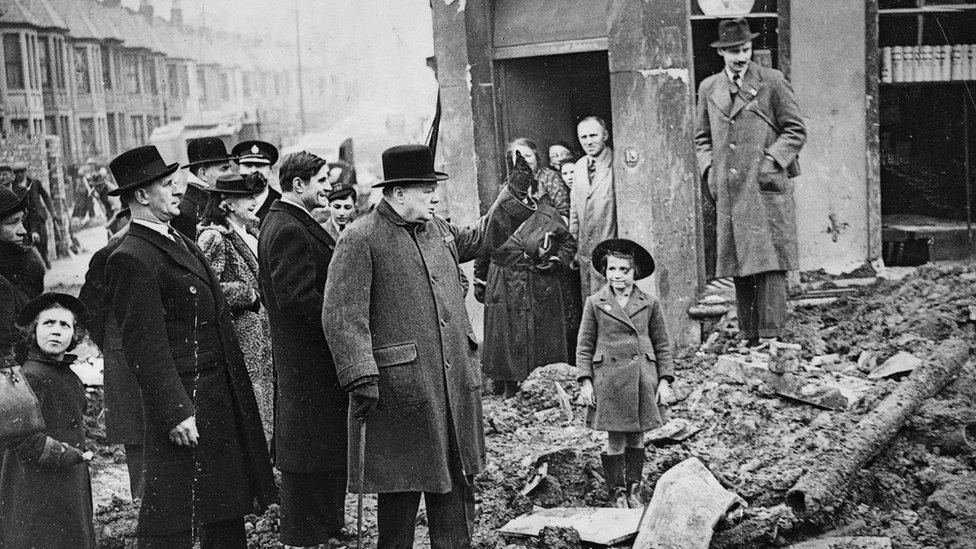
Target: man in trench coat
(592,201)
(395,320)
(748,133)
(294,253)
(206,459)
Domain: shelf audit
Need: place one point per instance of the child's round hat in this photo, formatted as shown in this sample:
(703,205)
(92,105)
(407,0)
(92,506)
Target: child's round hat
(643,261)
(45,300)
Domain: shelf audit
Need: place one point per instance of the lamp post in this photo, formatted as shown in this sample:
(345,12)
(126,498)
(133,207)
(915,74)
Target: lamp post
(301,87)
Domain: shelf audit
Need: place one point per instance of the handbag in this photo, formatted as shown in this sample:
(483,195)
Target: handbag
(20,412)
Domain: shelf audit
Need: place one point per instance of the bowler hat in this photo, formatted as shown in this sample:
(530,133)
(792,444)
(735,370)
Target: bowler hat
(45,300)
(255,152)
(235,183)
(409,164)
(11,202)
(138,167)
(643,262)
(733,32)
(206,150)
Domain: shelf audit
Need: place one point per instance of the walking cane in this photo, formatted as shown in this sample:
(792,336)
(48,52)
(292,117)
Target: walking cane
(359,476)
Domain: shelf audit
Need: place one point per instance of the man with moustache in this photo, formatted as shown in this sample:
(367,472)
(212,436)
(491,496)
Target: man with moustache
(208,160)
(395,319)
(206,462)
(748,132)
(592,200)
(294,253)
(258,157)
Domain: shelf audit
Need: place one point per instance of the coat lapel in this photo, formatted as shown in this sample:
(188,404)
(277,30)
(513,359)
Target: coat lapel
(722,94)
(173,250)
(607,303)
(749,90)
(245,252)
(638,302)
(304,218)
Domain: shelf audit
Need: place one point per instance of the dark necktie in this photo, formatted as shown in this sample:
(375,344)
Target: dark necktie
(178,240)
(737,80)
(590,169)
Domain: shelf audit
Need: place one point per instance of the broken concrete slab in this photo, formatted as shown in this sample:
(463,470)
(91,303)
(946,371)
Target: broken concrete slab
(823,361)
(688,502)
(674,431)
(847,542)
(742,368)
(902,363)
(533,483)
(601,526)
(832,392)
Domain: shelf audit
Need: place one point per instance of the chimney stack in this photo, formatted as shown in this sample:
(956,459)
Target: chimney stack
(176,13)
(146,8)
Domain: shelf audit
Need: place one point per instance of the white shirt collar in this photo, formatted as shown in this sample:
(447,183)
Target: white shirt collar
(297,204)
(159,227)
(192,179)
(742,74)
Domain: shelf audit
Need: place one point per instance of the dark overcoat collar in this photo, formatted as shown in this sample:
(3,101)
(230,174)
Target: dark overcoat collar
(607,303)
(303,217)
(194,261)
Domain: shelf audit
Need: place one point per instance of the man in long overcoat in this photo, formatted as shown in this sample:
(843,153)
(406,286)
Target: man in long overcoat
(395,320)
(206,459)
(39,209)
(123,401)
(294,253)
(592,200)
(748,133)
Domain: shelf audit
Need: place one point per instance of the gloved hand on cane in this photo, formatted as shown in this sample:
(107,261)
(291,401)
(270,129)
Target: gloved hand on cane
(365,397)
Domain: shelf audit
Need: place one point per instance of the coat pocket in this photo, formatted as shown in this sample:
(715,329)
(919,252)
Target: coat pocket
(400,375)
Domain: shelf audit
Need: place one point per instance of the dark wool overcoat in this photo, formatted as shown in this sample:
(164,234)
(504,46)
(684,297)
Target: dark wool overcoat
(45,487)
(756,214)
(121,394)
(21,279)
(625,351)
(394,309)
(294,253)
(179,340)
(524,314)
(191,208)
(236,266)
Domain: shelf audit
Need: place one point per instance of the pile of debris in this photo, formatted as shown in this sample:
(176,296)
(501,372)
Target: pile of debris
(857,434)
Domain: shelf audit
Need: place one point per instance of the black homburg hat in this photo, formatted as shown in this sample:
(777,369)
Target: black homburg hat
(206,150)
(138,167)
(733,32)
(11,201)
(234,183)
(409,164)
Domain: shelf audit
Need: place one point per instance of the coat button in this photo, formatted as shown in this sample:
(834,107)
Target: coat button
(193,289)
(443,323)
(732,146)
(634,357)
(447,365)
(733,171)
(608,307)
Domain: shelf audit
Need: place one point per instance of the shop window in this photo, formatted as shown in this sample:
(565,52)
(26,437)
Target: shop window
(13,61)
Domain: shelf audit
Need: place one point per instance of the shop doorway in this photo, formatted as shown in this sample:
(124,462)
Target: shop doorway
(543,98)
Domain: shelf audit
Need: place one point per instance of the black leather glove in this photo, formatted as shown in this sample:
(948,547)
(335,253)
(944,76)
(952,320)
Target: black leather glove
(365,397)
(520,177)
(479,290)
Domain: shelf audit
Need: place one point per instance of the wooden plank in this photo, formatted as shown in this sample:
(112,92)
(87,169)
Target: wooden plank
(551,48)
(602,526)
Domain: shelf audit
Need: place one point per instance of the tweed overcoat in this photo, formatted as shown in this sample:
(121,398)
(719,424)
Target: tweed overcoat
(625,351)
(179,340)
(45,486)
(121,394)
(756,213)
(592,214)
(294,253)
(524,312)
(394,309)
(236,267)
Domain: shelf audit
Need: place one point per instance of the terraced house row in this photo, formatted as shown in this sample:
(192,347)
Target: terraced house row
(103,77)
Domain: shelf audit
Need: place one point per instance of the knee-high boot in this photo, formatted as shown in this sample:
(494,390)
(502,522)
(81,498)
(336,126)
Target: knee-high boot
(635,476)
(613,471)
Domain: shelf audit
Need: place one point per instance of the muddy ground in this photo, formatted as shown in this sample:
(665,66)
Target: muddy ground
(756,443)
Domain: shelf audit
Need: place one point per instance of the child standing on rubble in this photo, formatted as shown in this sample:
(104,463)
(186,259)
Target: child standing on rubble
(625,361)
(45,486)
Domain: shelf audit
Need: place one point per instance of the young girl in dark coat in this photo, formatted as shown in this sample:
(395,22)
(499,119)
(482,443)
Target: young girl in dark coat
(625,362)
(45,487)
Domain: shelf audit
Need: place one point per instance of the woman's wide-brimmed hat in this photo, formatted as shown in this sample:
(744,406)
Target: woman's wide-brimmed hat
(11,201)
(409,164)
(733,32)
(236,184)
(44,302)
(138,167)
(643,262)
(206,150)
